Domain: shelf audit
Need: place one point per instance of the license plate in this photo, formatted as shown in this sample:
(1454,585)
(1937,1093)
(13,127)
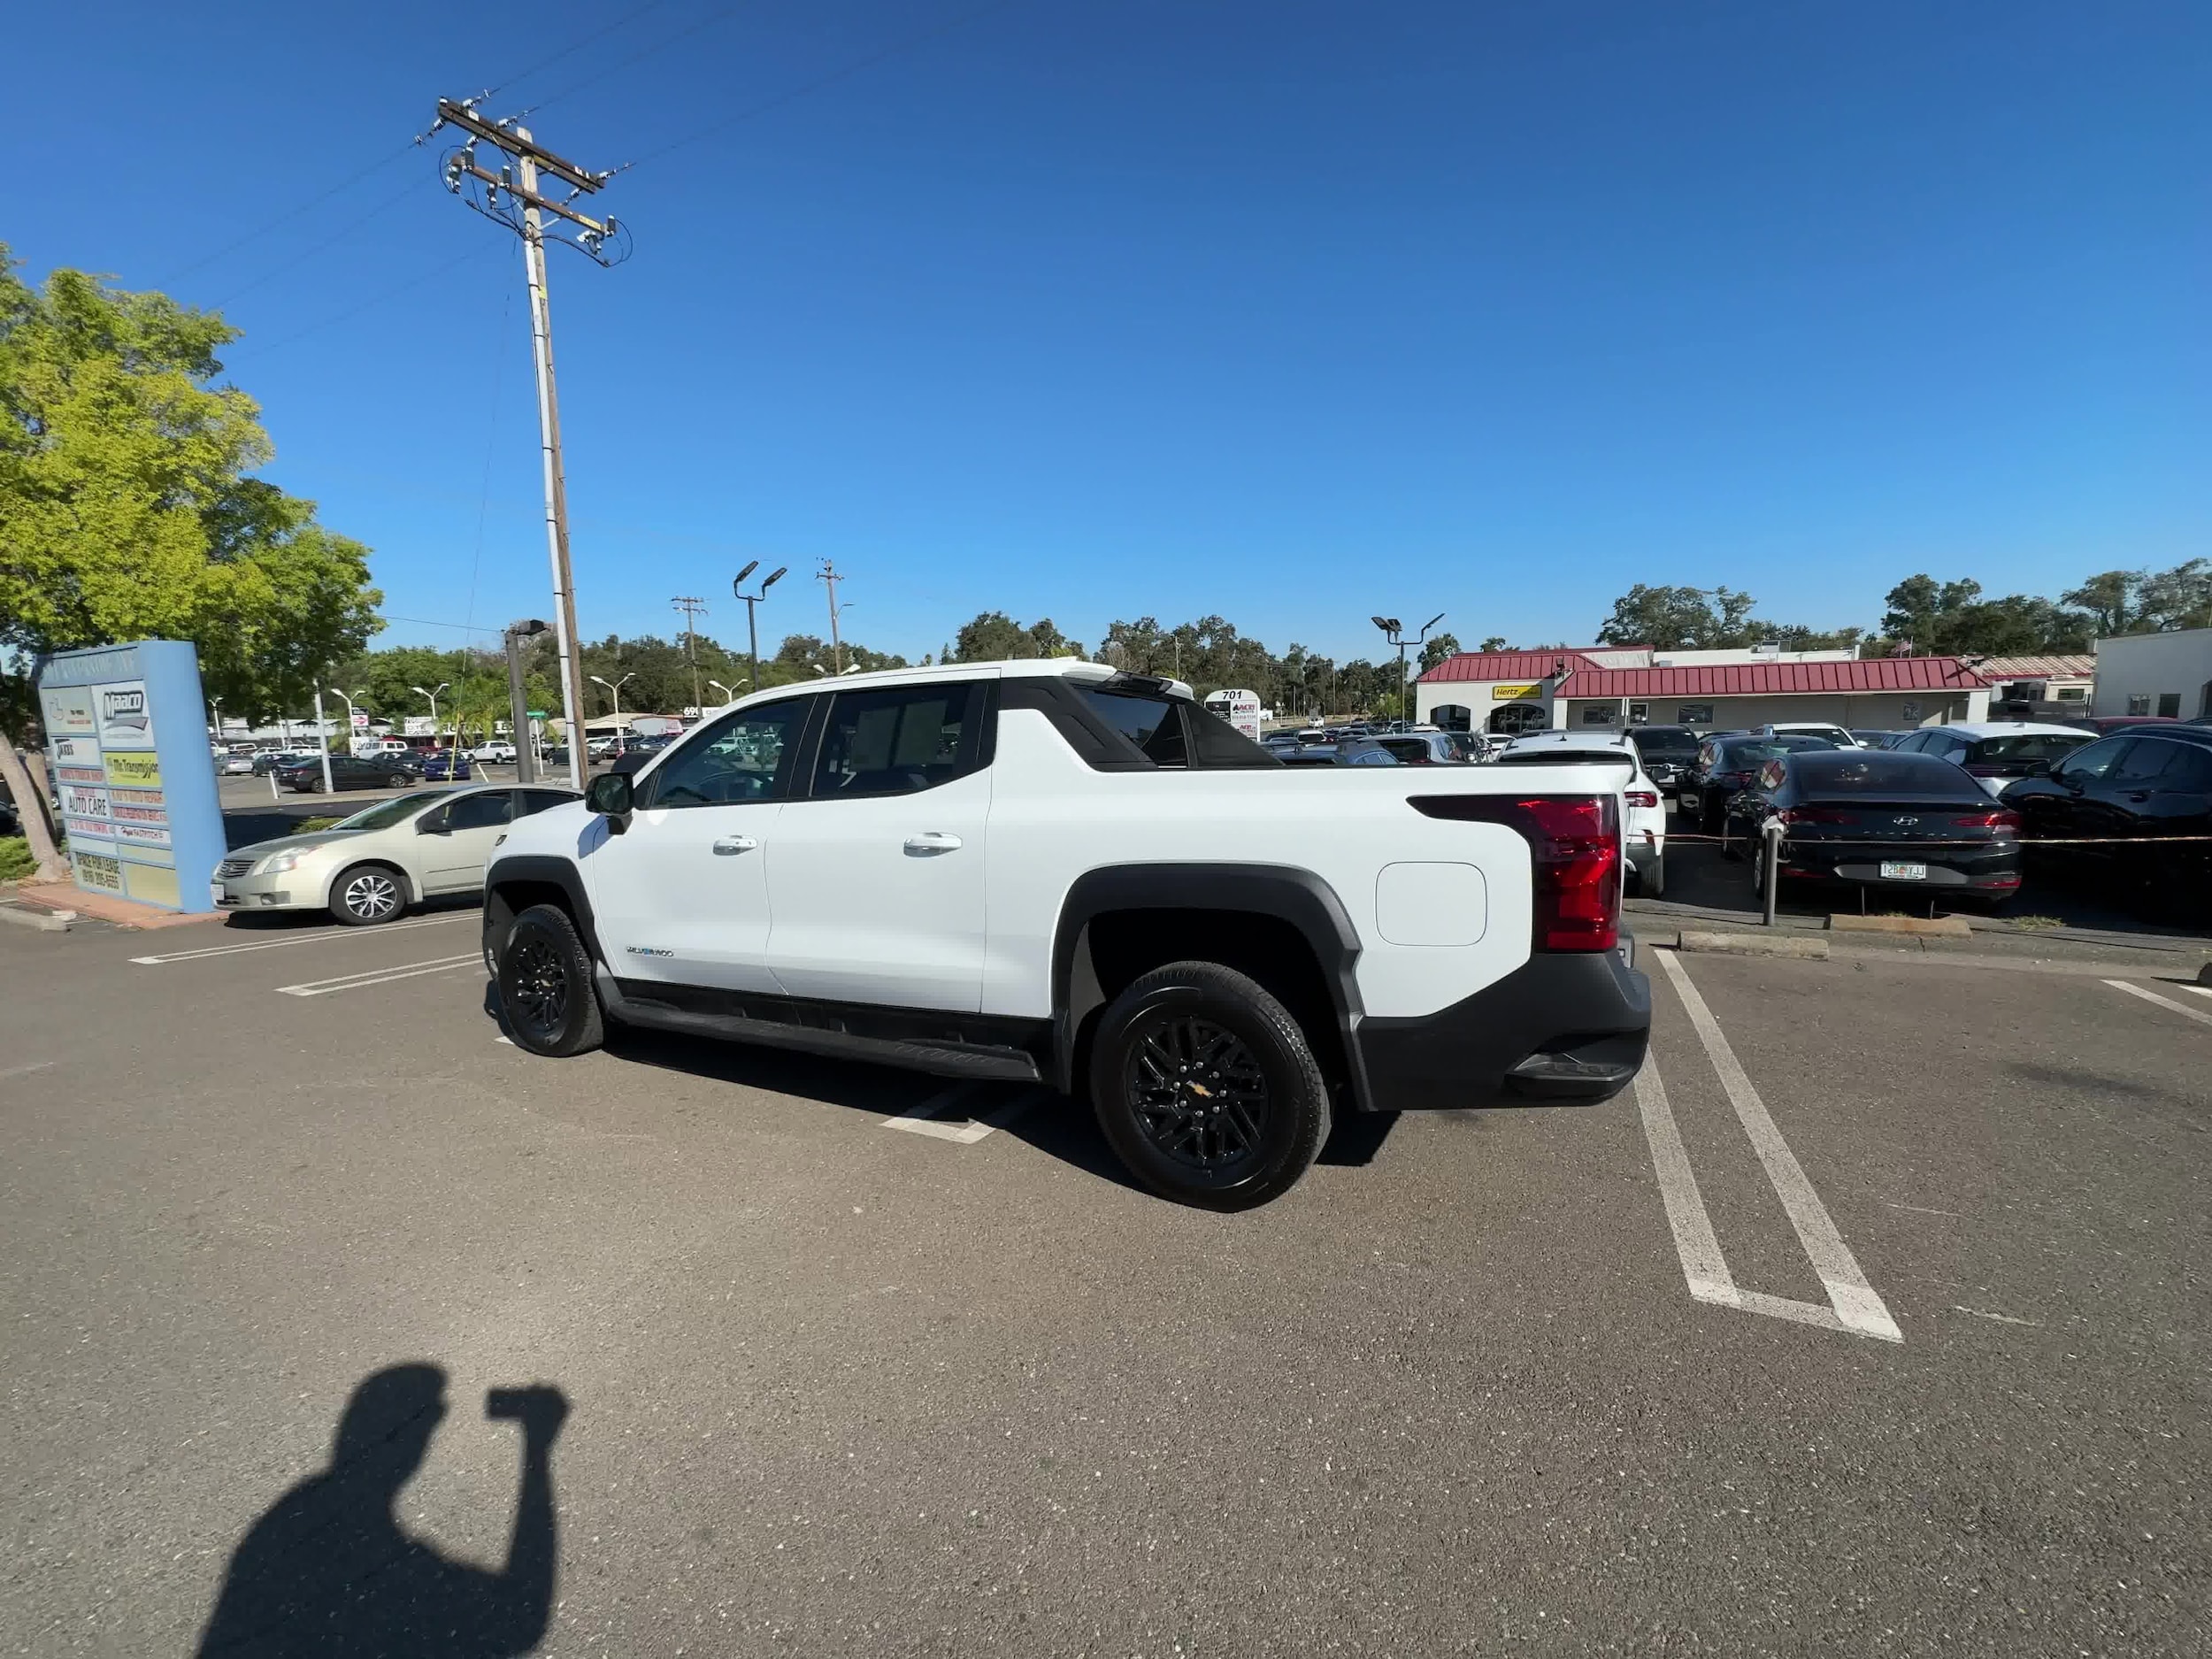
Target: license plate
(1904,872)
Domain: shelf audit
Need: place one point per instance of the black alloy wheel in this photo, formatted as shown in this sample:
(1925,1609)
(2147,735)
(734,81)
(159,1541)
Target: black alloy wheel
(1199,1096)
(546,993)
(1205,1085)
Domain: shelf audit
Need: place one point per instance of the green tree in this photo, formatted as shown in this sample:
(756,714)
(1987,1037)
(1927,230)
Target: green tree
(994,637)
(1437,649)
(126,511)
(1668,618)
(1495,644)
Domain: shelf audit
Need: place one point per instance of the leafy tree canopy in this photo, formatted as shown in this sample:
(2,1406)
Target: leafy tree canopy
(125,507)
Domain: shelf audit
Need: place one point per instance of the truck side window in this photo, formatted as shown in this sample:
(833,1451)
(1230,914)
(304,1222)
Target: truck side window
(898,742)
(742,757)
(1150,722)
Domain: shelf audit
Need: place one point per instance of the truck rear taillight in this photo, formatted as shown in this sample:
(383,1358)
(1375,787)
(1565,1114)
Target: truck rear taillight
(1574,844)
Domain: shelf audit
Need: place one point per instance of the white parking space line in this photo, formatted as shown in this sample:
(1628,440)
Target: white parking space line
(2182,1008)
(323,936)
(380,976)
(2199,990)
(25,1071)
(920,1119)
(1855,1302)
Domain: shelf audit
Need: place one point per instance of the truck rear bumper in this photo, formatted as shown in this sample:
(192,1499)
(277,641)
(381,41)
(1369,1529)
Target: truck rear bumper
(1564,1029)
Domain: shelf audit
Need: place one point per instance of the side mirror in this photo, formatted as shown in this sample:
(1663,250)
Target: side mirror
(610,796)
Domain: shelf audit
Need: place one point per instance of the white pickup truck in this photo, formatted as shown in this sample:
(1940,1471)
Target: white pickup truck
(1047,871)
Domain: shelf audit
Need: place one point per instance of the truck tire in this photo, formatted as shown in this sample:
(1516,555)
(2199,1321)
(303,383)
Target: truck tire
(1207,1088)
(546,992)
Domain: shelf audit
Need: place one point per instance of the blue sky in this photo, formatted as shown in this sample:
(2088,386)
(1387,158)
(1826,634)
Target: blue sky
(1290,311)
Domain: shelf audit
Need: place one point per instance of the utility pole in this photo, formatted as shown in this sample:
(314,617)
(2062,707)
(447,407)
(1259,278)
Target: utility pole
(523,210)
(829,579)
(752,629)
(693,608)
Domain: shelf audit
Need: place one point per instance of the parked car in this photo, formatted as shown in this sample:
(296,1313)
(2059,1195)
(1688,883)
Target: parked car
(1878,739)
(347,771)
(1408,749)
(1362,751)
(1724,766)
(272,760)
(376,863)
(2116,792)
(1998,752)
(238,763)
(498,751)
(1667,752)
(1644,806)
(1026,870)
(2105,724)
(1883,819)
(1834,734)
(640,750)
(444,766)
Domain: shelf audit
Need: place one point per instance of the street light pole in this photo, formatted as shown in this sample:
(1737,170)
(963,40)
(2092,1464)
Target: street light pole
(519,701)
(727,694)
(1394,632)
(350,723)
(752,628)
(614,690)
(322,742)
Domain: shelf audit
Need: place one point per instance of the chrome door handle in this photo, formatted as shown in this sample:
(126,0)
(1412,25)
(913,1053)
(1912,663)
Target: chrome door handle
(729,844)
(932,842)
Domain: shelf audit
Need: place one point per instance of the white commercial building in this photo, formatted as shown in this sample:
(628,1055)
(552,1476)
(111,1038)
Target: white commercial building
(2155,673)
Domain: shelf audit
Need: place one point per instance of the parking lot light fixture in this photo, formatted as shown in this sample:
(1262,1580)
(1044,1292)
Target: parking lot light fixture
(614,690)
(752,629)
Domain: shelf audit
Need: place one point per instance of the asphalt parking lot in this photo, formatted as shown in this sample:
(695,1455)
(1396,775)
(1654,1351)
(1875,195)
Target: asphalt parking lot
(1874,1321)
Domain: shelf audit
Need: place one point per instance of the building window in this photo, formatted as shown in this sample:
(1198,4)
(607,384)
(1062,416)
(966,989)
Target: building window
(1452,716)
(2169,704)
(2138,703)
(1640,714)
(1693,714)
(2073,694)
(1600,714)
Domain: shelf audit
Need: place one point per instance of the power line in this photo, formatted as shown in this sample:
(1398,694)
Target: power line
(896,48)
(393,292)
(412,188)
(574,46)
(685,32)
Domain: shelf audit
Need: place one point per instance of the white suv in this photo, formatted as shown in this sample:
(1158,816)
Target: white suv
(1048,871)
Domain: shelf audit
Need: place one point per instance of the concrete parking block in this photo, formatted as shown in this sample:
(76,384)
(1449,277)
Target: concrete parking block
(1755,945)
(37,921)
(1923,927)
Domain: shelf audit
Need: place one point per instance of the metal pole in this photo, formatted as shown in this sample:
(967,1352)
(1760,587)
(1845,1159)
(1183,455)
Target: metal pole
(1771,853)
(322,741)
(519,712)
(752,641)
(556,482)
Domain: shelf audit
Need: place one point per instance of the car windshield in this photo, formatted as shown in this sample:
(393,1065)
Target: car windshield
(2030,746)
(1751,751)
(384,814)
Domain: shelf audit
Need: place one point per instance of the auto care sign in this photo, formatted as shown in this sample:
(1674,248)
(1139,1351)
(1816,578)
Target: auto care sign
(126,742)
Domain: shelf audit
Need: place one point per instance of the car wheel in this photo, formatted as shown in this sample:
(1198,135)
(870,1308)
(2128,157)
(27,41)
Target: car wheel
(1651,880)
(368,895)
(1205,1085)
(545,985)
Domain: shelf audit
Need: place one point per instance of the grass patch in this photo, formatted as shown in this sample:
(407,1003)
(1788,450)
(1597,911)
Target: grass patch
(16,862)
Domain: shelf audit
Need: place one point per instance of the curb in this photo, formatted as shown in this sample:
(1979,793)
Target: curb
(1752,945)
(1944,928)
(37,921)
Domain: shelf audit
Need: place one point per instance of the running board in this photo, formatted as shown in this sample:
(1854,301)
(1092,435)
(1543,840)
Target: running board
(938,1059)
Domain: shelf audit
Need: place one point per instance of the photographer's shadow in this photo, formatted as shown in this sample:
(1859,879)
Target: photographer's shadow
(328,1571)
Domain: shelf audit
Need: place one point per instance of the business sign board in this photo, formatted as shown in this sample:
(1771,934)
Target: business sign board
(1515,693)
(126,733)
(360,720)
